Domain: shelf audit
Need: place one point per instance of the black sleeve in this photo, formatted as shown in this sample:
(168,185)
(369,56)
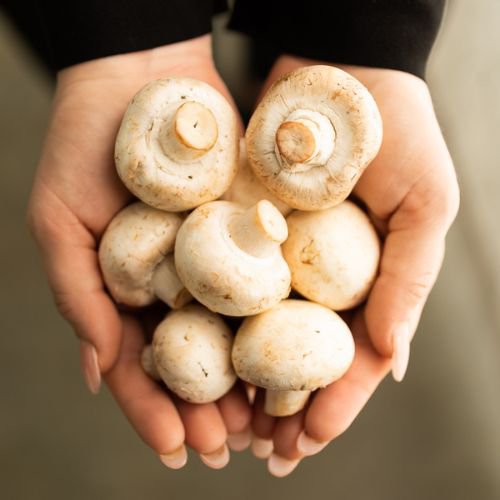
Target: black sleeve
(66,33)
(396,34)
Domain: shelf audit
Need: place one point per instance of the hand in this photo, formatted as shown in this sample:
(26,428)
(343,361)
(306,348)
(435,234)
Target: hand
(411,193)
(75,195)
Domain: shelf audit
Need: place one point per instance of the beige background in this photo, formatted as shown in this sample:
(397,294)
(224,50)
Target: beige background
(436,436)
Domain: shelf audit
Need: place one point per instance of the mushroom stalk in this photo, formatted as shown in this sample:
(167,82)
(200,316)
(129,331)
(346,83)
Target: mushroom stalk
(190,133)
(148,363)
(304,140)
(258,229)
(285,403)
(167,286)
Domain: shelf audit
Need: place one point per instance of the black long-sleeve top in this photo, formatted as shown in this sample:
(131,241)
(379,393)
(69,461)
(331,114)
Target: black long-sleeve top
(394,34)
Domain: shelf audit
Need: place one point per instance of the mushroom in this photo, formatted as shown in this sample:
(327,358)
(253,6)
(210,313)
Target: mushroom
(292,349)
(135,255)
(248,190)
(148,363)
(333,255)
(229,257)
(192,354)
(177,146)
(312,135)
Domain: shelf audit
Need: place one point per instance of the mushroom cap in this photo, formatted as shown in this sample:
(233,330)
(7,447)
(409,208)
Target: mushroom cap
(295,346)
(133,245)
(192,353)
(220,274)
(247,189)
(333,255)
(158,177)
(356,121)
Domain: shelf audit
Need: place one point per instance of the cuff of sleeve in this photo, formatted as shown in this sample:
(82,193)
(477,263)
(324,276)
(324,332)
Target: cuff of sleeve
(391,34)
(81,31)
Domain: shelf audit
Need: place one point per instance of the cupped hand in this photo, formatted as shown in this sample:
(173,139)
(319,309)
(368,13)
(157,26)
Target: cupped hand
(411,194)
(76,193)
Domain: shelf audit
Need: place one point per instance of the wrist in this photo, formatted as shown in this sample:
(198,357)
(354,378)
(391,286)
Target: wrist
(188,58)
(369,76)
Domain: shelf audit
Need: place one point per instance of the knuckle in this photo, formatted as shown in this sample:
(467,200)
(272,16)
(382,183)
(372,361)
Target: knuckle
(66,308)
(418,290)
(31,221)
(435,201)
(63,305)
(446,201)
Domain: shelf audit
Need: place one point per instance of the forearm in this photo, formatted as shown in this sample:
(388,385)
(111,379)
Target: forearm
(74,32)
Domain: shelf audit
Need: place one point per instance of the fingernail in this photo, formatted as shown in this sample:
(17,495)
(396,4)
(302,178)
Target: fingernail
(239,441)
(309,446)
(281,467)
(262,448)
(401,351)
(216,460)
(90,366)
(251,392)
(175,460)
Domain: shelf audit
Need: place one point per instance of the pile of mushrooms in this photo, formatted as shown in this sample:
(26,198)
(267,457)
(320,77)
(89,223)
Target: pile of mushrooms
(215,240)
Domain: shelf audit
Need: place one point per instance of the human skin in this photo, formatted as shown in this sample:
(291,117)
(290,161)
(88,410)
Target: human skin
(411,194)
(76,193)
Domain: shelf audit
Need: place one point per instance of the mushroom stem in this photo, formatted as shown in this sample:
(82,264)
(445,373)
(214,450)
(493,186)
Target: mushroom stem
(148,362)
(304,140)
(258,229)
(167,286)
(191,132)
(284,403)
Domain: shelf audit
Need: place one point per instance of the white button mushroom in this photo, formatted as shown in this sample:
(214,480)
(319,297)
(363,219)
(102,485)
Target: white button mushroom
(192,354)
(312,135)
(229,257)
(177,146)
(135,255)
(148,363)
(333,255)
(246,188)
(292,349)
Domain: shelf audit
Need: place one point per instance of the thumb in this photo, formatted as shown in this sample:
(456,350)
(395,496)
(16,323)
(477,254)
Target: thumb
(71,264)
(411,258)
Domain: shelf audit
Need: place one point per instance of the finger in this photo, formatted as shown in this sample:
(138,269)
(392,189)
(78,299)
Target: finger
(144,402)
(205,432)
(70,260)
(334,408)
(237,414)
(262,428)
(286,456)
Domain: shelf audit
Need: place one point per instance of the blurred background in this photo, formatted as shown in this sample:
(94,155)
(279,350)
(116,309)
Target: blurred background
(435,436)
